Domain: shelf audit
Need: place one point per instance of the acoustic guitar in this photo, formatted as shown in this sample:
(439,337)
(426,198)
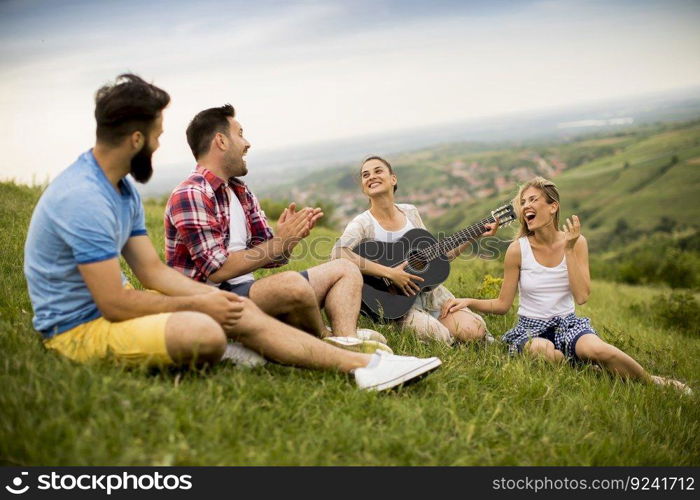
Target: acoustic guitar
(426,257)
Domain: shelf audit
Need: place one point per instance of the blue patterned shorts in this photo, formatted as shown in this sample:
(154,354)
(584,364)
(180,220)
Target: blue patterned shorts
(562,331)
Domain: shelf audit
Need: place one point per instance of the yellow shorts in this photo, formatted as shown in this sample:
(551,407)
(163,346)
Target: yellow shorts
(138,341)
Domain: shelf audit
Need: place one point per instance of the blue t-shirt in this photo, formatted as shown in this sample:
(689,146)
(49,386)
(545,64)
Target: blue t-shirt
(79,219)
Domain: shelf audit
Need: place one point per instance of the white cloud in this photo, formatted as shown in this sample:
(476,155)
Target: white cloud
(314,72)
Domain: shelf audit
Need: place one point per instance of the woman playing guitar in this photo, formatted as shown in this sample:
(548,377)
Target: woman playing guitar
(387,221)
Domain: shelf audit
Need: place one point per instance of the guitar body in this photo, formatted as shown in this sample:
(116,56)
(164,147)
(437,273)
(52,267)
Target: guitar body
(382,301)
(426,257)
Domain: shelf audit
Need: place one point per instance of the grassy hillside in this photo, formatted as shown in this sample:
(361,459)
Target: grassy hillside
(642,181)
(480,408)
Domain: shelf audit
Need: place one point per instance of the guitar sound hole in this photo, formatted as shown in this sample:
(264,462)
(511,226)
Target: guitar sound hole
(416,264)
(419,265)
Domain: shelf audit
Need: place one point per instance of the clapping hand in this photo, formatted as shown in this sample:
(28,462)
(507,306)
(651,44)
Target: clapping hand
(293,225)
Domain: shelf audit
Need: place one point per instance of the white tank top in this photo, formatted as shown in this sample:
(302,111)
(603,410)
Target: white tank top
(544,291)
(381,234)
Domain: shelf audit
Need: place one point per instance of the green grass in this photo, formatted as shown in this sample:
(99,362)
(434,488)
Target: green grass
(480,408)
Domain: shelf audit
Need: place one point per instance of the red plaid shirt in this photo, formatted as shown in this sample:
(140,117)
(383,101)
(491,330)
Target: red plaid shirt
(197,220)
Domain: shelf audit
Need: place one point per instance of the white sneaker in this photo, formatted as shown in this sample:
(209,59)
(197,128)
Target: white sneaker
(358,345)
(368,334)
(240,355)
(390,371)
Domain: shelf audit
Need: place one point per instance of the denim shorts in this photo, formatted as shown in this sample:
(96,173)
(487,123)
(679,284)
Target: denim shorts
(562,331)
(243,289)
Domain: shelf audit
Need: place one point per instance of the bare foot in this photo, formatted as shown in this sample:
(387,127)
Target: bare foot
(676,384)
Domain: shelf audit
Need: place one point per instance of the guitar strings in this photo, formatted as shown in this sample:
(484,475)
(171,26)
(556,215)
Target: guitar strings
(436,249)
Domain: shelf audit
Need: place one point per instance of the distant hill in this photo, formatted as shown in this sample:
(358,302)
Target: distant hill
(645,181)
(643,176)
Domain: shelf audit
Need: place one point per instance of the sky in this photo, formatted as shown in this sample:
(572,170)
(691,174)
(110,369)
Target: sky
(305,72)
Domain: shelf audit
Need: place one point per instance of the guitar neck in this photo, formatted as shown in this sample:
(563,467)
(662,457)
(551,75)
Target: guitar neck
(459,238)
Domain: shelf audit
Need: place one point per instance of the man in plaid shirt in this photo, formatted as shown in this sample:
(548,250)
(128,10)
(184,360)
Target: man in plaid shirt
(216,233)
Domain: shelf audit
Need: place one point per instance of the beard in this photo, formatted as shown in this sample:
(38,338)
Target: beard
(236,166)
(244,168)
(141,165)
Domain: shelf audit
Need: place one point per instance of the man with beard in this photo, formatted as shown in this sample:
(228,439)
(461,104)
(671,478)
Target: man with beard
(89,215)
(84,307)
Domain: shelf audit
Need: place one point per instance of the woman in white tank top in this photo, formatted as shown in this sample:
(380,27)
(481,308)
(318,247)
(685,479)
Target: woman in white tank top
(550,267)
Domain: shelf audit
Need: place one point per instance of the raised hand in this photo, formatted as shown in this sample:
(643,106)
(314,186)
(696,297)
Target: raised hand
(572,231)
(283,215)
(406,282)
